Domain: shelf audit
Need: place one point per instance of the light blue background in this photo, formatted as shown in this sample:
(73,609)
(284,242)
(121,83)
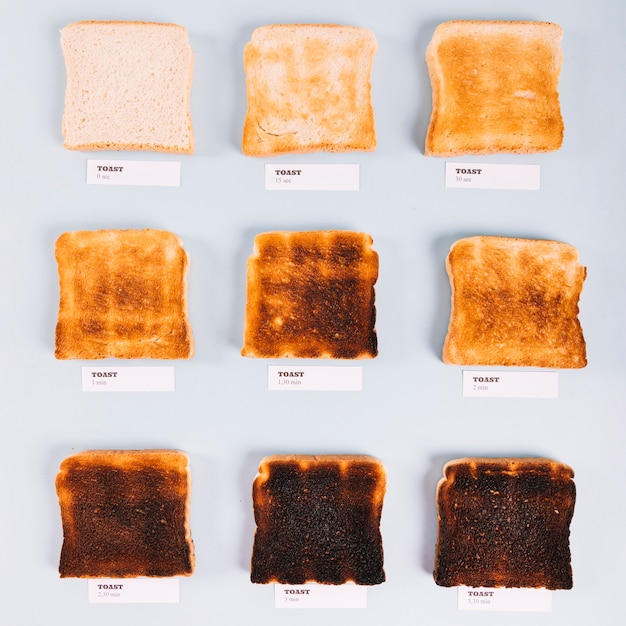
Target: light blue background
(410,414)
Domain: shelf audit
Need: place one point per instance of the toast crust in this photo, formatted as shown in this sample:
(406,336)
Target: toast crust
(125,514)
(123,294)
(311,295)
(505,523)
(318,520)
(308,89)
(128,86)
(494,88)
(514,303)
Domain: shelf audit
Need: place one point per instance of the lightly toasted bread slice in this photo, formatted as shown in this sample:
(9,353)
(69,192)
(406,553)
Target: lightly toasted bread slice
(311,295)
(128,87)
(318,520)
(125,514)
(514,302)
(494,88)
(123,294)
(308,89)
(505,522)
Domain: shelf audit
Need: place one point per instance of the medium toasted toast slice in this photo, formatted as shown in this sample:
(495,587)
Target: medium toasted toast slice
(123,294)
(128,87)
(318,520)
(494,88)
(311,295)
(505,523)
(308,89)
(125,514)
(514,302)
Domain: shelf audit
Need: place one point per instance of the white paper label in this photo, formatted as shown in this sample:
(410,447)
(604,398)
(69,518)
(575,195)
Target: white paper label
(139,590)
(501,599)
(311,177)
(102,379)
(504,384)
(138,173)
(493,176)
(314,378)
(312,596)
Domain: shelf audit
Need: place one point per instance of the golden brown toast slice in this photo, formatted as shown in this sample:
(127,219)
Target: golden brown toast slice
(514,302)
(318,520)
(494,88)
(125,514)
(311,295)
(308,89)
(128,86)
(505,523)
(123,295)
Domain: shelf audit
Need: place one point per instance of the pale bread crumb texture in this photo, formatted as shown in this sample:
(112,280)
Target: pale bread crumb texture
(514,303)
(128,87)
(308,89)
(494,88)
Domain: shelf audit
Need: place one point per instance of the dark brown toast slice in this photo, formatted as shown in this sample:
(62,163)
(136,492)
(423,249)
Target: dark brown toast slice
(514,302)
(505,523)
(125,514)
(311,295)
(123,294)
(318,520)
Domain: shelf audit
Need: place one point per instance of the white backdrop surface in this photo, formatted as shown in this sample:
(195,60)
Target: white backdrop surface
(410,414)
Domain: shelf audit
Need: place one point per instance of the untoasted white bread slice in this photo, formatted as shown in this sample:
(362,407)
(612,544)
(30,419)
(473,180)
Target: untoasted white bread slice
(494,88)
(128,87)
(515,302)
(308,89)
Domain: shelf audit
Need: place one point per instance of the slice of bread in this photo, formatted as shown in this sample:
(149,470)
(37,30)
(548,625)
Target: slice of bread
(123,294)
(505,523)
(311,295)
(494,88)
(308,89)
(318,520)
(514,302)
(128,87)
(125,514)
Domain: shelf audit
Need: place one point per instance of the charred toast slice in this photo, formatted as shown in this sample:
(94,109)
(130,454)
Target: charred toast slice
(505,523)
(318,520)
(125,514)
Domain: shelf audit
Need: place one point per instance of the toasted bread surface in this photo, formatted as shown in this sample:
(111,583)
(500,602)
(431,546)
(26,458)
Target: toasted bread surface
(505,523)
(494,88)
(311,295)
(318,520)
(125,514)
(308,89)
(128,86)
(123,294)
(514,302)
